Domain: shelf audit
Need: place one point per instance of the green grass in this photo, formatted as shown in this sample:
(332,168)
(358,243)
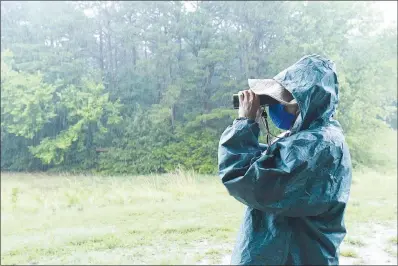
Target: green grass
(350,253)
(118,220)
(373,197)
(391,252)
(354,242)
(214,255)
(178,218)
(391,249)
(393,240)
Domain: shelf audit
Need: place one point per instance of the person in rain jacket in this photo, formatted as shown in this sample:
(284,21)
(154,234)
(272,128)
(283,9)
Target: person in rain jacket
(297,187)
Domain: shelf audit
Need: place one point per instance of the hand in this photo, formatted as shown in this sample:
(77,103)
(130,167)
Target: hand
(249,104)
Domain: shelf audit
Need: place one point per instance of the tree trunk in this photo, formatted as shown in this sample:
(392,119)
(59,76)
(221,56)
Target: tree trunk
(159,88)
(172,116)
(115,58)
(110,56)
(101,50)
(207,87)
(134,55)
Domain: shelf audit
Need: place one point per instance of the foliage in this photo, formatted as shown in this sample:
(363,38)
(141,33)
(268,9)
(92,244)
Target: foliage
(150,83)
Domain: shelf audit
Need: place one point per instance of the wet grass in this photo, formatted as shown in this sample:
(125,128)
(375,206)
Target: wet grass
(179,218)
(349,253)
(392,252)
(355,242)
(393,240)
(135,220)
(373,197)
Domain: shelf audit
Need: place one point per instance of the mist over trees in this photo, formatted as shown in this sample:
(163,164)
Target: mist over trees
(140,87)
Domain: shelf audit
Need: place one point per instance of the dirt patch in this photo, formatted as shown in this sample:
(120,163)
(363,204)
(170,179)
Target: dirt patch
(376,247)
(226,260)
(376,238)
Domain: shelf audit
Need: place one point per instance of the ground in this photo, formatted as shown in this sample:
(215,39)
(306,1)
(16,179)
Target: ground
(179,218)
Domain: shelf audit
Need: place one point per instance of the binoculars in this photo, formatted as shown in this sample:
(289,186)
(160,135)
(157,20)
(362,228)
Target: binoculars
(264,100)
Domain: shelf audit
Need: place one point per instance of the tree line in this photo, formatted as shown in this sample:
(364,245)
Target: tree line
(120,87)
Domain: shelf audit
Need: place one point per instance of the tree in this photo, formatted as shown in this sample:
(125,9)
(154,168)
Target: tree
(150,84)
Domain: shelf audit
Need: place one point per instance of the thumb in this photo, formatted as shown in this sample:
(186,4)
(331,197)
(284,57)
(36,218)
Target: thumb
(258,114)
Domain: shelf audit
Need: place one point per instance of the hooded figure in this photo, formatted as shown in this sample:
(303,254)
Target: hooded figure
(295,189)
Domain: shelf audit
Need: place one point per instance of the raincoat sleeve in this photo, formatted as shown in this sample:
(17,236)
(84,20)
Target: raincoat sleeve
(295,178)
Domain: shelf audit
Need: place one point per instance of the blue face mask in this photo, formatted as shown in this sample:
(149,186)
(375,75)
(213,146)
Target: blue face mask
(280,117)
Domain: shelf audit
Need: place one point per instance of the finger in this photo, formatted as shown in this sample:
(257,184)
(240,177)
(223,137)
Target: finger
(241,97)
(249,96)
(246,94)
(252,96)
(256,99)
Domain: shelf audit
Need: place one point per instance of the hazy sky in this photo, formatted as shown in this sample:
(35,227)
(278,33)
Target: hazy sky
(389,9)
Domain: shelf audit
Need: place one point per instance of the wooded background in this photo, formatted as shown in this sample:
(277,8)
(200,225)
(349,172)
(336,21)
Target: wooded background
(143,87)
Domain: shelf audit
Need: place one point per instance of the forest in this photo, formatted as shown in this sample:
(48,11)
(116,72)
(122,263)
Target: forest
(120,87)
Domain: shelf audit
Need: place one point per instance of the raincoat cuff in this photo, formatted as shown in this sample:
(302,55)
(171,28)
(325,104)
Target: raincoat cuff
(249,121)
(245,124)
(243,131)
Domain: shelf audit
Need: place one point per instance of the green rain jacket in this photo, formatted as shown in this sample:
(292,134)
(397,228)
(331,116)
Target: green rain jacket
(295,191)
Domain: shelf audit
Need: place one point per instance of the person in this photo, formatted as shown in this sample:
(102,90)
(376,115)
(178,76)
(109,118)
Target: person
(296,187)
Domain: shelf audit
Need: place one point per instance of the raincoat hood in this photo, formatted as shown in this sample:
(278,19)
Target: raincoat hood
(313,83)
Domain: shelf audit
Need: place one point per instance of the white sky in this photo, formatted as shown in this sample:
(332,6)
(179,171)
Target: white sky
(190,5)
(389,9)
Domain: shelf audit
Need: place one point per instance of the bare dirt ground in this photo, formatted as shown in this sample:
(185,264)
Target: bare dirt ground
(379,246)
(373,244)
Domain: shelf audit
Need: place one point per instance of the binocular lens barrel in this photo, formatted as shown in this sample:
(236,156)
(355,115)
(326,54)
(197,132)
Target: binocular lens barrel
(264,100)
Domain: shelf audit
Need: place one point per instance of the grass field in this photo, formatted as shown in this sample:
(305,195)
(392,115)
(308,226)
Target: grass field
(179,218)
